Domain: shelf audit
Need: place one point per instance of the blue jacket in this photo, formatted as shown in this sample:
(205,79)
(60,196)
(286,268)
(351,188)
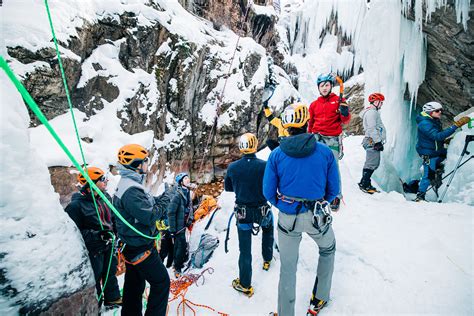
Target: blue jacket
(303,168)
(431,136)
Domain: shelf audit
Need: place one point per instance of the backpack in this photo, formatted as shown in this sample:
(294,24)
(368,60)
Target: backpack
(207,245)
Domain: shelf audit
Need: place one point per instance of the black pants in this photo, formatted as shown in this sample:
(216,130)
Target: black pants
(154,272)
(100,265)
(245,248)
(167,249)
(180,250)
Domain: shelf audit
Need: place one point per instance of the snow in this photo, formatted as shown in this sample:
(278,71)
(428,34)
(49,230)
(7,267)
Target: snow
(388,250)
(43,256)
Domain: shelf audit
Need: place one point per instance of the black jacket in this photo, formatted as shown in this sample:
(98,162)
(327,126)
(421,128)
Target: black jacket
(83,212)
(139,208)
(245,178)
(180,212)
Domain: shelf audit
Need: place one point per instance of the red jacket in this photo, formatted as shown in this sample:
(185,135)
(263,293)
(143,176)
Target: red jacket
(324,116)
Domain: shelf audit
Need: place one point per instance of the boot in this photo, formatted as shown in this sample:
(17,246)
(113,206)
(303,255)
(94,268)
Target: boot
(420,197)
(248,291)
(365,183)
(266,265)
(315,306)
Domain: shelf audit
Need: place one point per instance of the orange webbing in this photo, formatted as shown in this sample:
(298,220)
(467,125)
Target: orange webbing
(179,288)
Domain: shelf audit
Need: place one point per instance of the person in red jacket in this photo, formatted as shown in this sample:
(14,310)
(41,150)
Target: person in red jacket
(327,114)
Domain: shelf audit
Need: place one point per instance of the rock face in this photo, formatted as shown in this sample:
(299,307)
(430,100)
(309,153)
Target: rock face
(449,75)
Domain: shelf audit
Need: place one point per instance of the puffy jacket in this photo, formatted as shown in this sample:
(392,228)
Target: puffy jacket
(180,210)
(275,121)
(303,168)
(245,178)
(325,118)
(431,136)
(139,208)
(373,125)
(83,212)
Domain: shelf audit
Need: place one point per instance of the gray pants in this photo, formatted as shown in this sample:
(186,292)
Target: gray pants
(289,243)
(372,158)
(333,143)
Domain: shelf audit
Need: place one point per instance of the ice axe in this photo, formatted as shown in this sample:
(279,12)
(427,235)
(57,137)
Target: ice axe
(469,138)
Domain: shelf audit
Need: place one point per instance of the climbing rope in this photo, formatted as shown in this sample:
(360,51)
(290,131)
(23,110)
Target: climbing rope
(179,289)
(68,97)
(219,98)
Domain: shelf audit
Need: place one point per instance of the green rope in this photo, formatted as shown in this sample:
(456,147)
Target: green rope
(68,97)
(36,110)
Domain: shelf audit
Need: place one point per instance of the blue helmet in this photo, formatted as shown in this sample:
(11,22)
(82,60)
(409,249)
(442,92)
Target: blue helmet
(180,177)
(323,78)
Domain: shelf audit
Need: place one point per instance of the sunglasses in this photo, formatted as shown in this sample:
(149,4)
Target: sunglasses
(437,111)
(102,179)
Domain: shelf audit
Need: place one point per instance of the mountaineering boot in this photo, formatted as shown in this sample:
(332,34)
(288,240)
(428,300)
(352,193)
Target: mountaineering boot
(365,184)
(266,265)
(315,306)
(335,204)
(420,197)
(177,273)
(238,287)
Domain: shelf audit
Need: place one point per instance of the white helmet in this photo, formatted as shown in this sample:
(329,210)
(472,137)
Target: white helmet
(432,106)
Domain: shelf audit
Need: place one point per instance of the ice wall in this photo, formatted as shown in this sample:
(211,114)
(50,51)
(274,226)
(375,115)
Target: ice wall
(42,256)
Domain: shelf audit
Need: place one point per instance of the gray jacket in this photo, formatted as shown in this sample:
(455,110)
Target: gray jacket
(138,207)
(373,125)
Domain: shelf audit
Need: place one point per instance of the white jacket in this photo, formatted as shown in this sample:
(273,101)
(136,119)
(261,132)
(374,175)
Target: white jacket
(373,125)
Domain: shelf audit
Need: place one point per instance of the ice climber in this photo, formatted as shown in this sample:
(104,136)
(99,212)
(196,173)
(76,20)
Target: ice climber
(327,114)
(180,217)
(245,178)
(301,179)
(98,239)
(140,209)
(430,145)
(275,121)
(373,141)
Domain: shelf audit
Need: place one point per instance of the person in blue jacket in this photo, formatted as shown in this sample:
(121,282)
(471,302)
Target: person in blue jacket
(430,145)
(245,178)
(301,180)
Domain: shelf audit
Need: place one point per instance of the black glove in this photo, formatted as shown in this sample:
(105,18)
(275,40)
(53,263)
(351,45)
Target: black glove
(265,104)
(378,146)
(344,109)
(106,235)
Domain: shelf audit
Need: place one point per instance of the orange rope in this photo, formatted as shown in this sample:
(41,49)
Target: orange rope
(179,288)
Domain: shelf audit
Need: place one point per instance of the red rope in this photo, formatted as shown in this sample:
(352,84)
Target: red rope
(218,107)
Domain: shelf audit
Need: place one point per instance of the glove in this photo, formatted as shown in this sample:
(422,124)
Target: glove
(344,109)
(378,146)
(106,235)
(265,104)
(462,121)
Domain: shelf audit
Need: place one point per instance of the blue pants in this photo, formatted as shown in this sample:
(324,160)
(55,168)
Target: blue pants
(427,168)
(245,248)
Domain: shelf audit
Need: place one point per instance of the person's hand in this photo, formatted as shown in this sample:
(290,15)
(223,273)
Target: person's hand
(344,109)
(192,186)
(378,146)
(106,235)
(462,121)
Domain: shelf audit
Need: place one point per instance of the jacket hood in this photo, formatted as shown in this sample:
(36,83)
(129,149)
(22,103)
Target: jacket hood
(299,146)
(423,116)
(130,174)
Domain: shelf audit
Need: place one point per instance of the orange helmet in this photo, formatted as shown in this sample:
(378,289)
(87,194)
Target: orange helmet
(376,97)
(295,115)
(131,153)
(248,143)
(93,172)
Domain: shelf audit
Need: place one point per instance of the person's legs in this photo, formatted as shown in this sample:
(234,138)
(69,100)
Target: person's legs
(112,290)
(267,242)
(179,251)
(245,257)
(133,288)
(154,272)
(289,243)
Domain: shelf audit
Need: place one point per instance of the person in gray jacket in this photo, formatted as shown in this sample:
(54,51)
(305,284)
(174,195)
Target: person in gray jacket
(140,209)
(373,141)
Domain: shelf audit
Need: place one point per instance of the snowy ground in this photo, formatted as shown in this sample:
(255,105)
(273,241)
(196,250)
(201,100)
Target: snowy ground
(393,257)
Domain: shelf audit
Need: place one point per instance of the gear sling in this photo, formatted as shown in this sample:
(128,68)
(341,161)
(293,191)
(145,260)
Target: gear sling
(321,212)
